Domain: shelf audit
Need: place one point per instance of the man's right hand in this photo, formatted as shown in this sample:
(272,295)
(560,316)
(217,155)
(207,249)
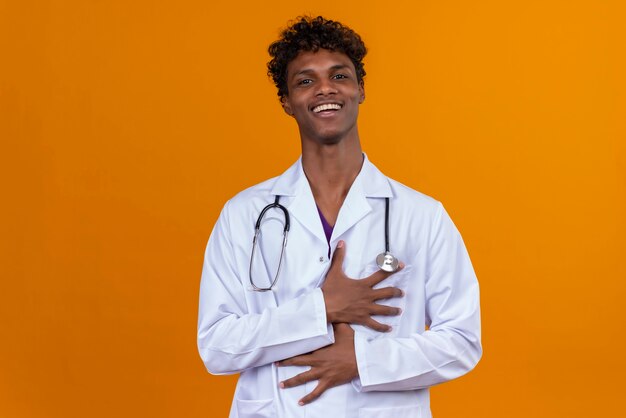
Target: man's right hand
(354,301)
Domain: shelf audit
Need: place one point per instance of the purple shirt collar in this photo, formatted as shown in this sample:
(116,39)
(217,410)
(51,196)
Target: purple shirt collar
(328,229)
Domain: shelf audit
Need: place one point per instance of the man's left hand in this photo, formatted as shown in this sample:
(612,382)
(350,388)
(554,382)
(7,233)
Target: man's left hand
(332,365)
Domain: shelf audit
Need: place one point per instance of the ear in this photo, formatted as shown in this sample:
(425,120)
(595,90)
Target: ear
(284,102)
(361,92)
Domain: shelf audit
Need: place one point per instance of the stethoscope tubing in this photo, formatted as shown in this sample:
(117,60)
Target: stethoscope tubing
(386,224)
(257,230)
(389,266)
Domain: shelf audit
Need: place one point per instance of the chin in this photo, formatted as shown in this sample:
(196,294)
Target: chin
(330,136)
(330,139)
(326,135)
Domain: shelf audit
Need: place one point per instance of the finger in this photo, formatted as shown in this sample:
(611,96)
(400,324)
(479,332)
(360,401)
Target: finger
(316,393)
(338,256)
(385,310)
(377,326)
(387,293)
(380,275)
(299,379)
(304,360)
(376,277)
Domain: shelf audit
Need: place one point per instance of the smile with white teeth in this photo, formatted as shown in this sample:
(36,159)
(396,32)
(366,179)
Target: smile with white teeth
(328,106)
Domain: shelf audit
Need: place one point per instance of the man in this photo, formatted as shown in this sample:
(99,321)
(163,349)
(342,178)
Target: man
(313,337)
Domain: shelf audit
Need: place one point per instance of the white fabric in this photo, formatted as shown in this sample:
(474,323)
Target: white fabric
(242,331)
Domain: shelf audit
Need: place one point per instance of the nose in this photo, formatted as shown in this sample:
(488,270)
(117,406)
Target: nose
(325,87)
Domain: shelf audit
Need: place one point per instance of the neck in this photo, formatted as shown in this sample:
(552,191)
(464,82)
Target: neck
(331,170)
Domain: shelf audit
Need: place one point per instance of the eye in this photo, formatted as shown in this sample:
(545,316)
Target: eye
(339,76)
(304,81)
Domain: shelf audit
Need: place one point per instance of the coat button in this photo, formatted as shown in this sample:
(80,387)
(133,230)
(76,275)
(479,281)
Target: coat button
(321,259)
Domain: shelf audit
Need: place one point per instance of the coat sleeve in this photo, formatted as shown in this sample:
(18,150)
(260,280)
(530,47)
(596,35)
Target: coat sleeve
(451,346)
(231,339)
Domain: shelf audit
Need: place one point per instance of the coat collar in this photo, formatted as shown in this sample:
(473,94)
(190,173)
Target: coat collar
(369,183)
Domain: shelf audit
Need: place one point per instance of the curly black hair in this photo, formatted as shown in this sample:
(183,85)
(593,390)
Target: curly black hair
(311,34)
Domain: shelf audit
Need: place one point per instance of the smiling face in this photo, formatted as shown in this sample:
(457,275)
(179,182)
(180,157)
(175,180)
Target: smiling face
(323,96)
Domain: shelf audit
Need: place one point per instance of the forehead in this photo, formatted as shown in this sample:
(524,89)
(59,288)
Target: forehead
(319,61)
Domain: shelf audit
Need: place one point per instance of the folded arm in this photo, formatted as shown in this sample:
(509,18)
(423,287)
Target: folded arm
(451,346)
(232,339)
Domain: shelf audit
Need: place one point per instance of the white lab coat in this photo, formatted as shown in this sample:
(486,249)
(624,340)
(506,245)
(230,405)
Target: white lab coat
(435,339)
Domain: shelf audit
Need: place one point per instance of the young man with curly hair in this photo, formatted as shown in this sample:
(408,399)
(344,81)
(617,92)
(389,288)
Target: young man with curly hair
(318,325)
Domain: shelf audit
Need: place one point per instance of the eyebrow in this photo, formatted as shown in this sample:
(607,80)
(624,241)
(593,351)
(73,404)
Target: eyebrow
(310,70)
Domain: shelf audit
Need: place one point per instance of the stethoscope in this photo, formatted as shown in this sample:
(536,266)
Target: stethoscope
(385,261)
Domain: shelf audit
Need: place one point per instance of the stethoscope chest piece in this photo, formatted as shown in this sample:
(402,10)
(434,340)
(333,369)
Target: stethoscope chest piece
(387,262)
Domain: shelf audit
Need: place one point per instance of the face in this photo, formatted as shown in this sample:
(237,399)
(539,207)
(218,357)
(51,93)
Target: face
(323,96)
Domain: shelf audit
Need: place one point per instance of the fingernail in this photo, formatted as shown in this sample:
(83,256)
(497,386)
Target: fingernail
(399,311)
(282,385)
(300,403)
(401,265)
(340,244)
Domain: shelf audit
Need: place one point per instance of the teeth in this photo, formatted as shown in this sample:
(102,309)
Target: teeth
(329,106)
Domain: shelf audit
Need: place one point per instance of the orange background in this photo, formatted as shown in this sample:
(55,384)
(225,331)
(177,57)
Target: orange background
(125,125)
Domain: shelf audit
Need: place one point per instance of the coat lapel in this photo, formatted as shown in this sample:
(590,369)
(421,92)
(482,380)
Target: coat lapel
(370,183)
(354,208)
(294,186)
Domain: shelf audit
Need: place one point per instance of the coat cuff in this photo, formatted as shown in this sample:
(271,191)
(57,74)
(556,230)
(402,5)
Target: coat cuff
(360,342)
